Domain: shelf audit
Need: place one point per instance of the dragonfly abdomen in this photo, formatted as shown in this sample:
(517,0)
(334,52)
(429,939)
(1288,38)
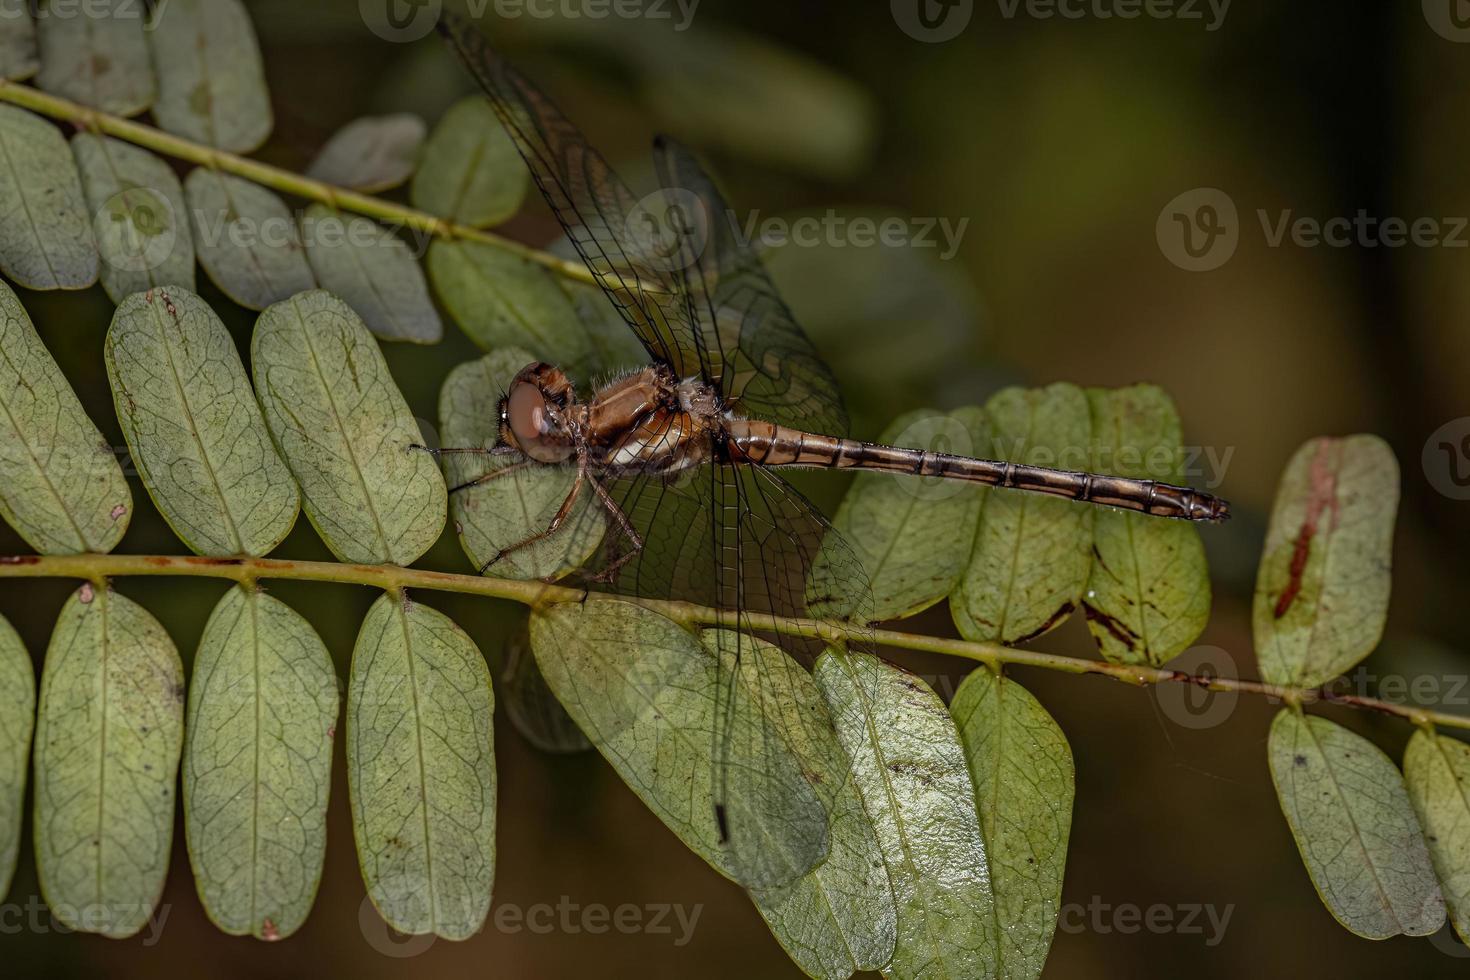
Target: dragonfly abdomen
(767,444)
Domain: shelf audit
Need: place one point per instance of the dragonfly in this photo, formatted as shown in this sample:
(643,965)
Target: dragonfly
(683,459)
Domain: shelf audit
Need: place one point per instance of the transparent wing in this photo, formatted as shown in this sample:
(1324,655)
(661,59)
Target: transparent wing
(768,367)
(672,263)
(740,538)
(601,216)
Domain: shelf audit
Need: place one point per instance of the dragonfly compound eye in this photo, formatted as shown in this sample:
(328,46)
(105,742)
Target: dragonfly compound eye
(534,424)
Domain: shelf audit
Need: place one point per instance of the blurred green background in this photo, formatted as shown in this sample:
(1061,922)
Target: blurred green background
(1058,142)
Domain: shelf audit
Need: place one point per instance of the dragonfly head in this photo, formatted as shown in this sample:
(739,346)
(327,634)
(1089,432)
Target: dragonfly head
(533,415)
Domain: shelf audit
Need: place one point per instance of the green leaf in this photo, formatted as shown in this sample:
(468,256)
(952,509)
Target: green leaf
(1437,770)
(371,154)
(421,769)
(345,431)
(246,238)
(257,764)
(50,247)
(909,766)
(528,702)
(1148,597)
(17,718)
(194,428)
(913,535)
(1350,814)
(1322,587)
(648,693)
(18,55)
(61,487)
(108,734)
(502,300)
(1030,557)
(96,54)
(374,271)
(506,510)
(469,170)
(138,216)
(1021,768)
(211,84)
(840,916)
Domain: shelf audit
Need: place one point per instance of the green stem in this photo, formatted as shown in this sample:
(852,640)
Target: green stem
(277,178)
(97,568)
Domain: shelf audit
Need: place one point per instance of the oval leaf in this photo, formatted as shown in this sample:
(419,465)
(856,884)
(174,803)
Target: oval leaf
(421,769)
(1148,596)
(108,733)
(61,487)
(374,271)
(346,432)
(910,768)
(18,54)
(257,764)
(194,428)
(502,300)
(17,718)
(95,54)
(529,703)
(1029,564)
(139,217)
(211,84)
(370,154)
(1437,770)
(246,239)
(502,511)
(648,693)
(1356,830)
(469,171)
(1322,587)
(914,535)
(1021,768)
(48,248)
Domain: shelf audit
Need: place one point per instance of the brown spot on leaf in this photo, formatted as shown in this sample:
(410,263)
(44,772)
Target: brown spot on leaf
(1321,495)
(1112,624)
(85,593)
(268,931)
(1052,620)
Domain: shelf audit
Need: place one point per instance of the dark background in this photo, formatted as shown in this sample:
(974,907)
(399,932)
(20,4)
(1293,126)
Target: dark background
(1060,140)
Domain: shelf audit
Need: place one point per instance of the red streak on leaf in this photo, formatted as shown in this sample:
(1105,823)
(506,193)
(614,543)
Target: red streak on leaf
(1112,624)
(1321,495)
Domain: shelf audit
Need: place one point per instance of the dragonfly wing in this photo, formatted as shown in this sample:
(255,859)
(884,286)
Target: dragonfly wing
(601,216)
(740,538)
(767,366)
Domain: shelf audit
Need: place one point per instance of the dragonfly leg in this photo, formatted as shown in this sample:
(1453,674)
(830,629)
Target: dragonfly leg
(610,572)
(556,521)
(487,477)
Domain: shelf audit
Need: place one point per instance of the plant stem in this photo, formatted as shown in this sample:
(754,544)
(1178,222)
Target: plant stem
(275,177)
(98,568)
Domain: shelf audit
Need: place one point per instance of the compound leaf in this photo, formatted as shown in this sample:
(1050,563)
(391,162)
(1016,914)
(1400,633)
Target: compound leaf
(421,769)
(96,54)
(61,487)
(247,240)
(374,271)
(194,427)
(469,170)
(42,246)
(1323,584)
(370,154)
(109,729)
(345,431)
(211,83)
